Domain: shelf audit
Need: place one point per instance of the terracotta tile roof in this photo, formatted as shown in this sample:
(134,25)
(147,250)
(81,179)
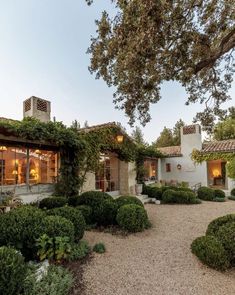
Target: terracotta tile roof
(171,151)
(219,146)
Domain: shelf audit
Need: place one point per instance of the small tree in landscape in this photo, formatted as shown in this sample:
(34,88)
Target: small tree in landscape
(165,138)
(138,136)
(149,42)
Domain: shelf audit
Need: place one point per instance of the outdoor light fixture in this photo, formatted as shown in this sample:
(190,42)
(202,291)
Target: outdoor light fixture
(38,152)
(179,167)
(120,138)
(3,148)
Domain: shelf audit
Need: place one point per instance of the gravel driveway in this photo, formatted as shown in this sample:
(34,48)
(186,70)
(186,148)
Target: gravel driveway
(159,261)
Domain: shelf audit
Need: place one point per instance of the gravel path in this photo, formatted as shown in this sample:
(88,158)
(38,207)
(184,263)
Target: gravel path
(159,261)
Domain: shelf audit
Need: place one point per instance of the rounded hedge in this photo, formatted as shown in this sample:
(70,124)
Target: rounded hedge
(179,197)
(132,218)
(125,200)
(52,202)
(226,235)
(218,193)
(75,216)
(58,226)
(214,225)
(12,271)
(153,192)
(206,193)
(94,199)
(86,212)
(72,201)
(233,192)
(20,228)
(109,213)
(211,252)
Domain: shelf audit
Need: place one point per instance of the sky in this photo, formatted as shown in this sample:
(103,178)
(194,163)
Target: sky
(43,53)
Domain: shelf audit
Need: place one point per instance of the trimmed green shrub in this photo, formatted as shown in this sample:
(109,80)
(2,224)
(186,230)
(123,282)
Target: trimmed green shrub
(226,235)
(132,218)
(231,198)
(52,202)
(126,200)
(233,192)
(57,281)
(218,193)
(12,271)
(214,226)
(99,248)
(153,192)
(75,216)
(211,252)
(72,201)
(58,226)
(86,212)
(206,193)
(179,197)
(219,200)
(109,213)
(79,251)
(95,200)
(20,228)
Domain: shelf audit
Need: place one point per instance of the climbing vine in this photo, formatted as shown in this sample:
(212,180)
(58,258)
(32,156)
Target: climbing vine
(199,157)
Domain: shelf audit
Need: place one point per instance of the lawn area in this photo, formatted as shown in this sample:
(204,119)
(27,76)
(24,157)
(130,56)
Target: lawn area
(159,260)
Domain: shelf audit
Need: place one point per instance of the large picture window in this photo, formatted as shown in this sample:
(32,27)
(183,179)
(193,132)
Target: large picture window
(107,177)
(27,166)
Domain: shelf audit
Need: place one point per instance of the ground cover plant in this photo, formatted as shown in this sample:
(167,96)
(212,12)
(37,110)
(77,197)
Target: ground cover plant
(217,248)
(99,248)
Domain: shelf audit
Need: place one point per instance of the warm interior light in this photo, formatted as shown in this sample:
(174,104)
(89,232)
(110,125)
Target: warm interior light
(38,152)
(120,138)
(3,148)
(15,172)
(216,173)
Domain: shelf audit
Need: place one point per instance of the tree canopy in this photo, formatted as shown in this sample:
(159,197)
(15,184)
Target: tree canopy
(138,136)
(149,42)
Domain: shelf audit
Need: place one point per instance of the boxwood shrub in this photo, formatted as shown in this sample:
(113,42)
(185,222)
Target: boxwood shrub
(125,200)
(58,226)
(233,192)
(226,235)
(95,200)
(153,192)
(132,218)
(74,215)
(12,271)
(218,193)
(109,213)
(231,198)
(52,202)
(20,228)
(214,225)
(72,201)
(179,197)
(211,252)
(206,193)
(86,212)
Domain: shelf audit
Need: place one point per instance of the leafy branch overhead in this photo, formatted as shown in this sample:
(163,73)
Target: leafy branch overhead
(149,42)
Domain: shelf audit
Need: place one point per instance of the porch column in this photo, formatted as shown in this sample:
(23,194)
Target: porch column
(159,169)
(27,168)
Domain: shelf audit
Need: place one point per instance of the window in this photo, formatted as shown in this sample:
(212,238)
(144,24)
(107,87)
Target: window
(168,167)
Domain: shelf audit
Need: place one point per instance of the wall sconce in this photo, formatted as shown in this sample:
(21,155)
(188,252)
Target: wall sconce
(120,138)
(179,167)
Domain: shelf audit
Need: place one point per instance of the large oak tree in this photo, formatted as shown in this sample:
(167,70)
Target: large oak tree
(148,42)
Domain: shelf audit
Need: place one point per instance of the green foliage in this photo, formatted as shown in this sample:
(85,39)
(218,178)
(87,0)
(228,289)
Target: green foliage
(57,281)
(219,200)
(126,200)
(132,218)
(75,216)
(52,202)
(109,212)
(99,248)
(214,226)
(20,228)
(206,193)
(226,235)
(152,192)
(138,136)
(12,271)
(179,197)
(225,130)
(165,138)
(231,168)
(86,212)
(57,248)
(95,200)
(218,193)
(231,198)
(58,226)
(233,192)
(72,201)
(211,252)
(79,251)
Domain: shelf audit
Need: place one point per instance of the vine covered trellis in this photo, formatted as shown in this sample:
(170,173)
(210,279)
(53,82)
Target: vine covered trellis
(199,157)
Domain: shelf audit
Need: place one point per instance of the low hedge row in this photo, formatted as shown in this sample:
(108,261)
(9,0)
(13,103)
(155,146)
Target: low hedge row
(179,197)
(217,248)
(209,194)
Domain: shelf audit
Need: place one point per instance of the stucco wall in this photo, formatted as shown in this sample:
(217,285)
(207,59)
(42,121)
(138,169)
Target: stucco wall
(127,178)
(89,184)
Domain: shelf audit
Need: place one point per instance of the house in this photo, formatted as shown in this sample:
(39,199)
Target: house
(178,166)
(32,166)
